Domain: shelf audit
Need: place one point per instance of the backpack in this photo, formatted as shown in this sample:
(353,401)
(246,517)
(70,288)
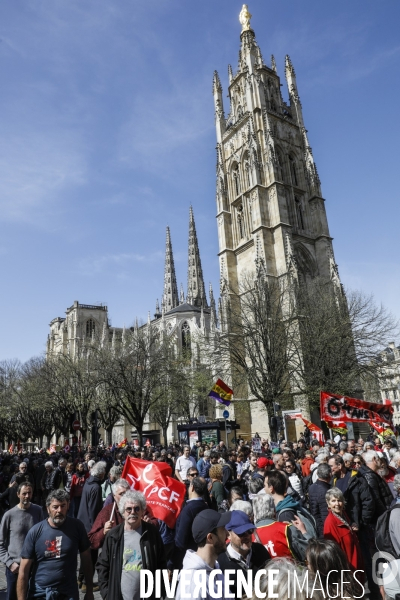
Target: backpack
(307,518)
(382,535)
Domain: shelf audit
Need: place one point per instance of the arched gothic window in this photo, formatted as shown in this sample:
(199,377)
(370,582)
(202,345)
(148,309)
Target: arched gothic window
(240,219)
(186,341)
(236,180)
(279,161)
(293,171)
(90,328)
(299,213)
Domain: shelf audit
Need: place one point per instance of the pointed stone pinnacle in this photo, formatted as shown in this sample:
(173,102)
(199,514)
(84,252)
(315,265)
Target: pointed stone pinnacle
(195,289)
(273,63)
(230,73)
(170,295)
(289,66)
(217,87)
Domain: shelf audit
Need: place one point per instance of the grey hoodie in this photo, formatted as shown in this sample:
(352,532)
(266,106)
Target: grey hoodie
(192,563)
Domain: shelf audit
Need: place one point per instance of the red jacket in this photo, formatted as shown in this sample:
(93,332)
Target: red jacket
(346,538)
(96,534)
(77,483)
(306,465)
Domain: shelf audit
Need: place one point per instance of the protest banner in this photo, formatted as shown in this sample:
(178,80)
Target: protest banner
(164,495)
(342,408)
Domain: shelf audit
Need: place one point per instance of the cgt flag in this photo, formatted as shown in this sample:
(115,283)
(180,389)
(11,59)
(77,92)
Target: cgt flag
(342,408)
(164,495)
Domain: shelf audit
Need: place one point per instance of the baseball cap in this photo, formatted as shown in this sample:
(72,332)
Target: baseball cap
(263,462)
(239,522)
(206,521)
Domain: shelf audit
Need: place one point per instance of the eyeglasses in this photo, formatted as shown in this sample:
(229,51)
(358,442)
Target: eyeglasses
(288,466)
(193,474)
(135,509)
(248,532)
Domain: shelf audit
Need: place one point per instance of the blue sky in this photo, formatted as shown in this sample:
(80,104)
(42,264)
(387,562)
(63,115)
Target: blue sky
(107,136)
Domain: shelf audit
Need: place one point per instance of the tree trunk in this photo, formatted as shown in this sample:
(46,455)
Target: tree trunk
(109,435)
(164,432)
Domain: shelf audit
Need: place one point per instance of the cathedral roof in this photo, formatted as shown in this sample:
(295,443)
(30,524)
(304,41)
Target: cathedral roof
(185,308)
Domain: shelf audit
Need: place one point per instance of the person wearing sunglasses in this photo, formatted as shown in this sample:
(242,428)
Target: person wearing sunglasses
(131,546)
(242,554)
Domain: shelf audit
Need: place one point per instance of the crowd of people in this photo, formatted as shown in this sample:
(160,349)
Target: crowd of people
(71,522)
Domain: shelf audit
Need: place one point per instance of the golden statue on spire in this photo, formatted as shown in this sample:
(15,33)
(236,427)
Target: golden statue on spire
(244,18)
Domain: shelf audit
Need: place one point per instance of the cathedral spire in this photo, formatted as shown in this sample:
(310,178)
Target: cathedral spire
(195,289)
(182,296)
(219,106)
(170,297)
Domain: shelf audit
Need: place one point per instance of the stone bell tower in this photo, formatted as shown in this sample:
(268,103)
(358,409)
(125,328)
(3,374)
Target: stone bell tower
(269,201)
(270,209)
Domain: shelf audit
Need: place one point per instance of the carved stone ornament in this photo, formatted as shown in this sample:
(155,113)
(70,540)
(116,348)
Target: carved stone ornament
(220,220)
(272,194)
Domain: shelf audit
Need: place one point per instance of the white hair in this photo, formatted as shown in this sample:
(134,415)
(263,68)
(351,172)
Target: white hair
(319,459)
(244,506)
(132,496)
(120,483)
(369,456)
(395,462)
(264,507)
(347,456)
(49,464)
(98,469)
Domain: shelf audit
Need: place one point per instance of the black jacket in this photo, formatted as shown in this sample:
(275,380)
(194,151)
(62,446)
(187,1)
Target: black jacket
(109,564)
(91,502)
(379,490)
(259,556)
(318,504)
(360,503)
(183,532)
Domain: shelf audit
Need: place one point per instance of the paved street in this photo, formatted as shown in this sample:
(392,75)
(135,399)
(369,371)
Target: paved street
(3,585)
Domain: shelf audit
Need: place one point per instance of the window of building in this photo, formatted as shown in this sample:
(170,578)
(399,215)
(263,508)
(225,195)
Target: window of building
(240,220)
(90,328)
(279,165)
(236,180)
(186,341)
(299,213)
(293,170)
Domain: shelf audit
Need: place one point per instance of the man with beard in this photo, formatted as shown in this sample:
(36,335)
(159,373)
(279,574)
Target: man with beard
(14,527)
(210,535)
(49,555)
(242,554)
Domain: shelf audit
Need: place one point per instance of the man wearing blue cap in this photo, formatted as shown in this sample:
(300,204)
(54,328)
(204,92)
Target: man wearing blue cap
(242,554)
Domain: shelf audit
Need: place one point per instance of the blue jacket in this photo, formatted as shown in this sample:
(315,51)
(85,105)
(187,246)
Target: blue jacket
(183,532)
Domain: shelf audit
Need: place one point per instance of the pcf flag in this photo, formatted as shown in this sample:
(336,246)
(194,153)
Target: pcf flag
(164,495)
(342,408)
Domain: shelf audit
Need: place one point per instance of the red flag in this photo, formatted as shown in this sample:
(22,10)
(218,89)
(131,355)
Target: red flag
(317,432)
(164,495)
(342,408)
